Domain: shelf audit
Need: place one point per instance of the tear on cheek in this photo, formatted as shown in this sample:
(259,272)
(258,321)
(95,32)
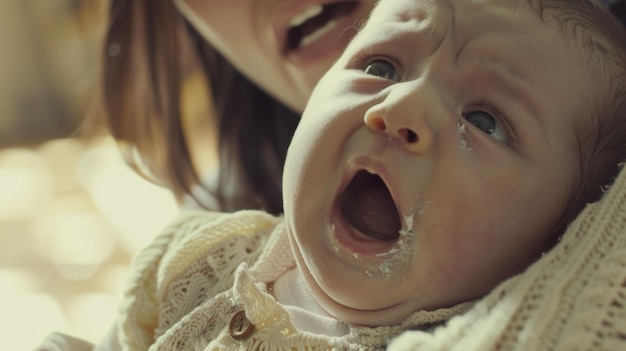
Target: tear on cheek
(407,225)
(461,133)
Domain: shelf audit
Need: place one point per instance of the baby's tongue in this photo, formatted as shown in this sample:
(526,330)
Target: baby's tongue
(371,210)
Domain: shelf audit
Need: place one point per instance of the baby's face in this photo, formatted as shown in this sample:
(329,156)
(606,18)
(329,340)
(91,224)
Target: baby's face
(434,158)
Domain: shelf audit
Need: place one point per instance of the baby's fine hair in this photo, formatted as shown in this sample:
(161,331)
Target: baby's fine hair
(601,119)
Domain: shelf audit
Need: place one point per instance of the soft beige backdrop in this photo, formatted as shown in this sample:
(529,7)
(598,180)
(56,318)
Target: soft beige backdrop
(72,215)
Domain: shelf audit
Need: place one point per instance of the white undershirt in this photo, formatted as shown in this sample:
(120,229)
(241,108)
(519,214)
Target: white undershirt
(291,291)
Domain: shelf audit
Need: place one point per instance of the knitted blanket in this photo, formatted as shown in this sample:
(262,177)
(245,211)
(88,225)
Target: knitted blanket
(573,298)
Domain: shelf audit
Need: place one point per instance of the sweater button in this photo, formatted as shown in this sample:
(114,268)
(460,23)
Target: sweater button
(240,326)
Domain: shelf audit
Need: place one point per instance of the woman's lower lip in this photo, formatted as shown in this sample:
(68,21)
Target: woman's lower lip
(329,44)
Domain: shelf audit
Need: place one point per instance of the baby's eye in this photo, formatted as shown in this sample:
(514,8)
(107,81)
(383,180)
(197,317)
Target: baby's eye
(383,69)
(487,124)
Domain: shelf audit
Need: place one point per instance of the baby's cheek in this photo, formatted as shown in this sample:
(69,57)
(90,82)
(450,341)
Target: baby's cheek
(462,252)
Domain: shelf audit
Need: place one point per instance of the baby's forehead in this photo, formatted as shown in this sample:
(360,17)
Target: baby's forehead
(563,13)
(418,12)
(551,16)
(582,23)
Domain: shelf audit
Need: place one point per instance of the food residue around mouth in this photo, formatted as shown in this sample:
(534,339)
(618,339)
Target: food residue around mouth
(384,263)
(399,253)
(460,131)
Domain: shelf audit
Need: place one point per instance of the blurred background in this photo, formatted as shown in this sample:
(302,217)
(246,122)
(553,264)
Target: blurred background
(72,215)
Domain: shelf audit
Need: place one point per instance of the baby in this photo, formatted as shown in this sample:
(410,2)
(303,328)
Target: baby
(443,153)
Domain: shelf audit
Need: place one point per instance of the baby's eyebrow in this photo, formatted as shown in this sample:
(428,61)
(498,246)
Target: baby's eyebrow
(515,85)
(503,72)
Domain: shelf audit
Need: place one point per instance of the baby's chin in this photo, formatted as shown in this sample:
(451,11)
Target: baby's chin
(409,311)
(375,317)
(360,304)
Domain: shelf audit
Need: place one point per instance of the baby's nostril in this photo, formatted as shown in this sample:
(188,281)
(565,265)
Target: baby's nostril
(408,135)
(380,124)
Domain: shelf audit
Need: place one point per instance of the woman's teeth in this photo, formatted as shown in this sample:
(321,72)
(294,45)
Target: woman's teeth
(306,15)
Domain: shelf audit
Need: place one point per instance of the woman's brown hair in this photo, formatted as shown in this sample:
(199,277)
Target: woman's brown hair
(143,70)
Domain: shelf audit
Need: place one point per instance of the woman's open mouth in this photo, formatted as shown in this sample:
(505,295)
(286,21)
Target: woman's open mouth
(367,206)
(316,21)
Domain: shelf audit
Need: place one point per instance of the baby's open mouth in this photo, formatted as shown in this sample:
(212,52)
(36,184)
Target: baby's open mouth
(315,22)
(369,208)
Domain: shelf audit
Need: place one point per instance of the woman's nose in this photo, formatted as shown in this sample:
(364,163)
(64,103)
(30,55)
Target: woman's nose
(406,125)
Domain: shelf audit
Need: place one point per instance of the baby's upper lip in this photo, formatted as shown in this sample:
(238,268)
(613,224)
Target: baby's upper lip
(367,163)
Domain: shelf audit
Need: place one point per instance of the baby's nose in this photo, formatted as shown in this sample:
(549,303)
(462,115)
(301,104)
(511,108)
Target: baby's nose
(412,134)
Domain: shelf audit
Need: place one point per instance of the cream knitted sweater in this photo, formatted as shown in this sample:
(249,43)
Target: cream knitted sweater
(191,282)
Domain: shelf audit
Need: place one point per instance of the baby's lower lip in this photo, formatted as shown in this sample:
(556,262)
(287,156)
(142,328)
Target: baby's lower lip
(352,240)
